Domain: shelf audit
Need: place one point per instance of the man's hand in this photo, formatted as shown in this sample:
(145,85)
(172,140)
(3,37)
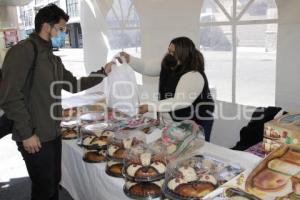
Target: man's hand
(32,145)
(143,109)
(125,55)
(107,67)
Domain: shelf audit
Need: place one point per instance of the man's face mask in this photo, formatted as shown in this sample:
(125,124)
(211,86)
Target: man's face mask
(57,33)
(59,39)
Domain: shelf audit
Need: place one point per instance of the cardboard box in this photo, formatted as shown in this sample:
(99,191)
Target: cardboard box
(284,130)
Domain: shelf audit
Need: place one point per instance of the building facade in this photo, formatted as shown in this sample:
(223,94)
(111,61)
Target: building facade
(72,7)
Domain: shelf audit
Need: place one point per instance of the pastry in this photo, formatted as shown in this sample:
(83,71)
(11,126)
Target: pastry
(114,168)
(283,167)
(92,117)
(145,189)
(95,135)
(94,141)
(87,140)
(69,134)
(100,141)
(70,112)
(147,165)
(296,188)
(69,129)
(297,176)
(95,156)
(270,181)
(194,189)
(237,194)
(117,150)
(107,134)
(190,184)
(292,157)
(239,198)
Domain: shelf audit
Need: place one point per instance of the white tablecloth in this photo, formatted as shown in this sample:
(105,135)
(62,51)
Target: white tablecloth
(86,181)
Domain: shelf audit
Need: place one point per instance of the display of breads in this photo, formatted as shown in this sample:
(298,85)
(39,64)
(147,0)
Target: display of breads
(118,148)
(278,175)
(70,113)
(99,140)
(95,156)
(144,167)
(195,177)
(91,117)
(114,168)
(69,129)
(141,123)
(144,172)
(69,133)
(189,184)
(95,139)
(143,190)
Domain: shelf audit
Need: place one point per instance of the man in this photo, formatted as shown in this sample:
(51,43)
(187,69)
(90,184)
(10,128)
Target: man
(32,108)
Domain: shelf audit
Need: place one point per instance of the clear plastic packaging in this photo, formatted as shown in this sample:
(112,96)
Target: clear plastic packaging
(230,194)
(98,107)
(144,164)
(115,115)
(96,136)
(195,177)
(69,114)
(143,190)
(180,139)
(123,141)
(91,117)
(139,122)
(69,129)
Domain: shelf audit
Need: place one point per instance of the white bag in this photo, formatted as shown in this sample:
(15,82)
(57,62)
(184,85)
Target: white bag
(121,89)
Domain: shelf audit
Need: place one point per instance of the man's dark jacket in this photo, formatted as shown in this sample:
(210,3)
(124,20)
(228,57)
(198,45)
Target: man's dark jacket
(32,111)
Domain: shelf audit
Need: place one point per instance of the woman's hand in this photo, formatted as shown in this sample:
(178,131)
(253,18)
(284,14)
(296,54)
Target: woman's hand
(107,67)
(125,55)
(143,109)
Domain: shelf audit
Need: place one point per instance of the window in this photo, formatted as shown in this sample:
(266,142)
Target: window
(27,17)
(124,30)
(72,8)
(45,2)
(238,39)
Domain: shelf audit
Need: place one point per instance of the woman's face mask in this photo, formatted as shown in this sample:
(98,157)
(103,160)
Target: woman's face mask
(170,61)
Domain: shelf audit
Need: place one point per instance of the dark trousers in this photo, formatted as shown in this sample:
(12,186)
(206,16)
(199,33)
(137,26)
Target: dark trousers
(207,126)
(44,169)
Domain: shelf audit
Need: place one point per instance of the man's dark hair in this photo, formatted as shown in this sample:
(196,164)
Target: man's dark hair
(49,14)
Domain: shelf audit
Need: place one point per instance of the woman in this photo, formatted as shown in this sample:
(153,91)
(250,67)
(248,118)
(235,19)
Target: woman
(183,86)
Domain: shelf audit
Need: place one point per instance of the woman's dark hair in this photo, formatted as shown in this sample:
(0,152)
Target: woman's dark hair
(49,14)
(191,59)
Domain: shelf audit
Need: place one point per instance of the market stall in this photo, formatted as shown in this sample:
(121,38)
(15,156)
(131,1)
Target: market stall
(89,181)
(87,177)
(107,154)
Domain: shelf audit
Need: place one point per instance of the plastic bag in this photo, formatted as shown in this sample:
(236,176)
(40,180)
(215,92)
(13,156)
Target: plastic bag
(121,89)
